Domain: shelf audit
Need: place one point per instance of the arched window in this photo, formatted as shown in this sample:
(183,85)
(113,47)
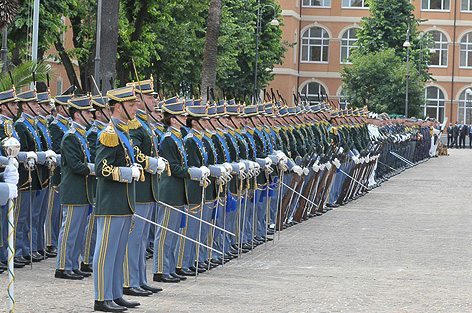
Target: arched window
(343,101)
(315,45)
(348,40)
(434,103)
(466,50)
(464,114)
(313,91)
(439,56)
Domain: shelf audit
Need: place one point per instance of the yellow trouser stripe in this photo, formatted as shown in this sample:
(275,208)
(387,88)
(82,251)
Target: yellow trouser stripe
(65,237)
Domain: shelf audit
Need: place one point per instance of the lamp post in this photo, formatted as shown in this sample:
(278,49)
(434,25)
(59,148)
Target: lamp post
(98,45)
(407,45)
(274,22)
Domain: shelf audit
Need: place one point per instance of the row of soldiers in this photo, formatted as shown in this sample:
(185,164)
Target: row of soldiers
(105,178)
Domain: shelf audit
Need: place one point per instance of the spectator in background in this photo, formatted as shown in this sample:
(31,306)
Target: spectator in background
(463,131)
(449,136)
(455,135)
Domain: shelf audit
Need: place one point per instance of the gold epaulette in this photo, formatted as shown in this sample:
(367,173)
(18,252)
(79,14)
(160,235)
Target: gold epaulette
(134,124)
(108,137)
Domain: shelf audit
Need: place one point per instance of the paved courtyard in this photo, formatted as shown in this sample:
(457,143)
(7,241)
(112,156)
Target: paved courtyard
(404,247)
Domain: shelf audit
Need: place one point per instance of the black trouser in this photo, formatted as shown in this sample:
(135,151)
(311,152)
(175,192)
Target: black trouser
(470,140)
(449,141)
(462,141)
(454,142)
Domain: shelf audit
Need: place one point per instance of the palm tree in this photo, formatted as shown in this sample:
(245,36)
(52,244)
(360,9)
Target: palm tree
(8,10)
(22,75)
(210,53)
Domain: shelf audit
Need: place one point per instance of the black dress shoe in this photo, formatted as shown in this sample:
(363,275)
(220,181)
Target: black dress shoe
(136,292)
(86,268)
(20,259)
(67,275)
(185,272)
(151,289)
(79,272)
(3,266)
(126,303)
(51,251)
(200,270)
(165,278)
(178,276)
(108,306)
(34,258)
(41,254)
(18,265)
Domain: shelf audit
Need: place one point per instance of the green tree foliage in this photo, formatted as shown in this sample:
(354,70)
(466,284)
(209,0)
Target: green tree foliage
(386,27)
(22,75)
(378,79)
(165,38)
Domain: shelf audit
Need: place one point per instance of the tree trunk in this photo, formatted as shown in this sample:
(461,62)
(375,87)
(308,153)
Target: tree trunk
(210,53)
(67,62)
(109,43)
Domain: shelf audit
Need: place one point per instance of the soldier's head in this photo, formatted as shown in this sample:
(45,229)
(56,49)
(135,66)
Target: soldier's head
(29,102)
(81,110)
(171,120)
(123,103)
(8,104)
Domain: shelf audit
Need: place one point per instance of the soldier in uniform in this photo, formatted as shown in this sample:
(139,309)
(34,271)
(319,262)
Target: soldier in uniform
(101,119)
(76,192)
(117,171)
(8,111)
(145,145)
(57,128)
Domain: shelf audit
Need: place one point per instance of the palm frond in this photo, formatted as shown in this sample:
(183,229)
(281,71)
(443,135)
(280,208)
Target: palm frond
(8,10)
(22,75)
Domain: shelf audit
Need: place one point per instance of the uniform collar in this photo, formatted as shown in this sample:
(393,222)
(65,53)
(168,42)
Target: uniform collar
(142,115)
(99,124)
(42,119)
(80,128)
(122,126)
(64,120)
(175,131)
(28,117)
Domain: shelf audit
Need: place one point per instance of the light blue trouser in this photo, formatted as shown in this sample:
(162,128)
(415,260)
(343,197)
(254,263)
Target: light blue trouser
(73,226)
(220,212)
(112,237)
(90,236)
(135,260)
(261,209)
(53,220)
(22,211)
(248,222)
(231,224)
(4,248)
(206,236)
(40,207)
(166,242)
(187,251)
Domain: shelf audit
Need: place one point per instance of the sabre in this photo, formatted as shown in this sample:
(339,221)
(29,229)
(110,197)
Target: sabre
(176,233)
(197,252)
(185,213)
(393,169)
(212,230)
(296,192)
(352,178)
(12,148)
(402,158)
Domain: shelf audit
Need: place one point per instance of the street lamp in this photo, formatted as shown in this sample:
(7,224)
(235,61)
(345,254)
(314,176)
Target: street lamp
(407,46)
(274,22)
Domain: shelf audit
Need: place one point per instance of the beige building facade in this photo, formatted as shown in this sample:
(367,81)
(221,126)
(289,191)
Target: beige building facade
(323,32)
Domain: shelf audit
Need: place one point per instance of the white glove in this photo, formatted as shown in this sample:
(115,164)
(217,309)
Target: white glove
(367,159)
(341,149)
(161,165)
(228,167)
(316,167)
(355,159)
(306,171)
(322,166)
(205,171)
(361,160)
(268,162)
(337,163)
(10,175)
(31,155)
(297,170)
(328,166)
(135,171)
(50,154)
(12,191)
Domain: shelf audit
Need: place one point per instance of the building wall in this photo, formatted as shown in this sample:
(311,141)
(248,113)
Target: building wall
(293,75)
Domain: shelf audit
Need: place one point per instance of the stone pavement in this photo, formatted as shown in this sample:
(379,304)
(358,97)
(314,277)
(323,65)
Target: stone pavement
(404,247)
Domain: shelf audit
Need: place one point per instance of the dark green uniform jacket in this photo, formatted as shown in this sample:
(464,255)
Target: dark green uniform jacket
(76,186)
(115,196)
